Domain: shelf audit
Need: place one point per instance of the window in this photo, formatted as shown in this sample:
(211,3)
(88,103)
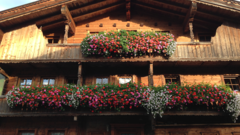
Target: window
(48,81)
(232,82)
(25,83)
(72,80)
(204,37)
(57,133)
(53,39)
(26,133)
(124,80)
(172,78)
(101,80)
(92,32)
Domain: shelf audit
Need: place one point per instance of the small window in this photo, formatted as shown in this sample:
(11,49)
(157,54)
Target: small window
(57,133)
(92,32)
(233,83)
(25,83)
(53,39)
(72,80)
(163,31)
(205,37)
(170,79)
(26,133)
(101,80)
(124,80)
(48,81)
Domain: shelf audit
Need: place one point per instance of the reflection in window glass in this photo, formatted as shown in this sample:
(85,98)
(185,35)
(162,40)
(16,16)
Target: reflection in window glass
(25,83)
(101,80)
(233,83)
(104,80)
(27,133)
(48,81)
(57,133)
(124,80)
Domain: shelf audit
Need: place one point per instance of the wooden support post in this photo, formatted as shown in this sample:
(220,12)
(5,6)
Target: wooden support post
(150,76)
(191,31)
(68,17)
(1,35)
(79,82)
(66,34)
(190,16)
(128,7)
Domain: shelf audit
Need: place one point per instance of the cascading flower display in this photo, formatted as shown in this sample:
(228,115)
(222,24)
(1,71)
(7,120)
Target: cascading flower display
(127,96)
(128,43)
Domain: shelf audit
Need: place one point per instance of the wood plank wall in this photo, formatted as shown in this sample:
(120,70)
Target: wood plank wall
(195,79)
(29,43)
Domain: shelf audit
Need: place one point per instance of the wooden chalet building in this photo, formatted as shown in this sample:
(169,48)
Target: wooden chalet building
(40,44)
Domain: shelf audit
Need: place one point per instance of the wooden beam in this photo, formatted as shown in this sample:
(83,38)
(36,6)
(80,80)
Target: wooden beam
(190,16)
(214,16)
(79,82)
(191,31)
(128,7)
(69,20)
(1,35)
(150,76)
(66,34)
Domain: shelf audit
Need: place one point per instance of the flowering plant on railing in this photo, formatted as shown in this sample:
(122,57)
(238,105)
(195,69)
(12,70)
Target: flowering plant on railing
(127,96)
(128,43)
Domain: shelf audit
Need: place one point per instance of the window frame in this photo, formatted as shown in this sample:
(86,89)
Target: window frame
(101,80)
(231,78)
(53,38)
(21,130)
(171,77)
(125,78)
(71,78)
(48,80)
(25,78)
(50,130)
(205,34)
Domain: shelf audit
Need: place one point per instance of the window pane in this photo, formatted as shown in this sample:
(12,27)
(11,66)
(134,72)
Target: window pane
(57,133)
(201,38)
(227,81)
(22,82)
(168,80)
(174,80)
(127,80)
(235,87)
(51,81)
(234,81)
(105,80)
(121,80)
(99,81)
(45,81)
(27,133)
(29,82)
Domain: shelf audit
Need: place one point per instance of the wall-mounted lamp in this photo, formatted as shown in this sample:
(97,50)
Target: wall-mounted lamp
(141,24)
(128,24)
(101,25)
(75,118)
(114,25)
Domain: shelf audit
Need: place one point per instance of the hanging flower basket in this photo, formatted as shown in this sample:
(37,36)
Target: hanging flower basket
(118,43)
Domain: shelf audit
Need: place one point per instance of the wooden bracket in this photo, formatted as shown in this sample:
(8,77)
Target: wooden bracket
(190,16)
(128,7)
(191,31)
(150,76)
(68,17)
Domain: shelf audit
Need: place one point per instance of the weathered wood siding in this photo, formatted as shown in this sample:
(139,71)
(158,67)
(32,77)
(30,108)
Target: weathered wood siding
(28,43)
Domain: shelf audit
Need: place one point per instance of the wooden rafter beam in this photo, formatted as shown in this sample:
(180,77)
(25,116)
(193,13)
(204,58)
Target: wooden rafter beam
(157,9)
(128,7)
(186,8)
(84,17)
(190,16)
(69,20)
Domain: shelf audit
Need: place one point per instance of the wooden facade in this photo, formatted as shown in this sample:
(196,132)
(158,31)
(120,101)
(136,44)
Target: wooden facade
(41,40)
